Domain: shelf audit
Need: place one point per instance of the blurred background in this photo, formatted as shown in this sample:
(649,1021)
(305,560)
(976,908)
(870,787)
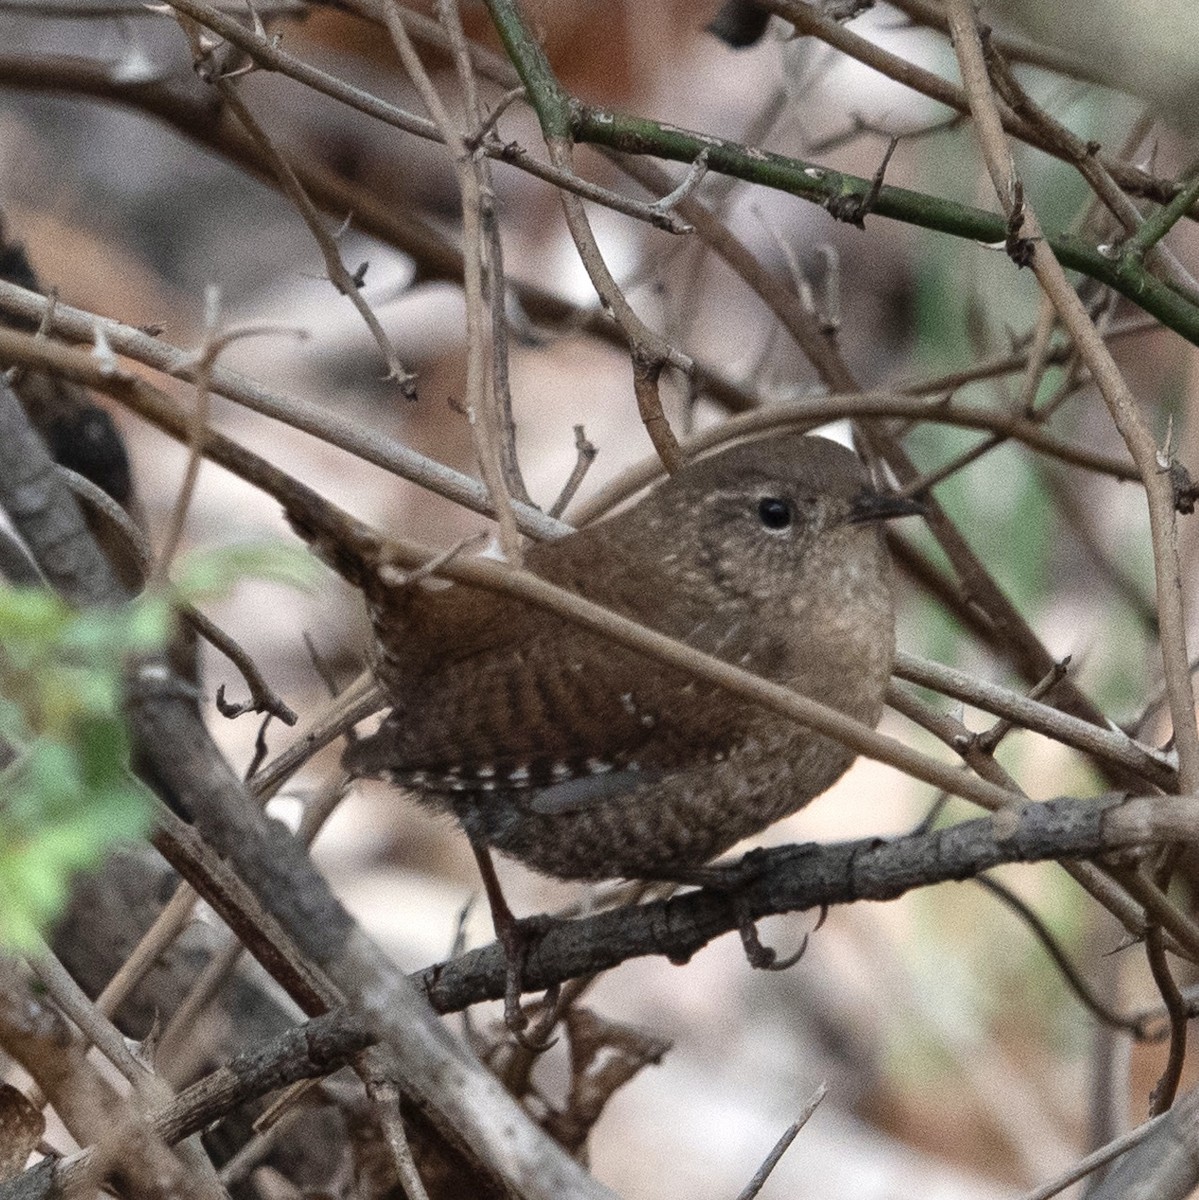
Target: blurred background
(957,1062)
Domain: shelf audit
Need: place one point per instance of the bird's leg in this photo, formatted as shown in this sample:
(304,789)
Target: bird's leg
(515,935)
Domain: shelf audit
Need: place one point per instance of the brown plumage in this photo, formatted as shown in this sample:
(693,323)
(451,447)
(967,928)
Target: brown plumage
(586,760)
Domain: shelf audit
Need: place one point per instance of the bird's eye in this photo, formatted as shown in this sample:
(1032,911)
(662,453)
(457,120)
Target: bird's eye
(774,513)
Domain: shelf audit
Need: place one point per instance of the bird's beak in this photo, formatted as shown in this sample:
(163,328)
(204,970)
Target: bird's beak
(875,506)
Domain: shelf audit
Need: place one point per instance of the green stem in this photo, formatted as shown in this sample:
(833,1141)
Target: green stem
(1157,226)
(563,117)
(820,185)
(551,103)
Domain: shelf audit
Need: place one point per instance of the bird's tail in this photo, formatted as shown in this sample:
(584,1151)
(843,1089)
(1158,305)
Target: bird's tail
(352,548)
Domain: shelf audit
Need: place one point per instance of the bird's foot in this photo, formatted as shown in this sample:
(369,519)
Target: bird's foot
(762,957)
(517,936)
(730,878)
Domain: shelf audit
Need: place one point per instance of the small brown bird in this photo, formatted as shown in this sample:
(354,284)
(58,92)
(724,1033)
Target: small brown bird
(586,760)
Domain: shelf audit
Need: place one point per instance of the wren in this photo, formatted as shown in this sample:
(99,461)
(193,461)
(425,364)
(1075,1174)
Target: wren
(586,760)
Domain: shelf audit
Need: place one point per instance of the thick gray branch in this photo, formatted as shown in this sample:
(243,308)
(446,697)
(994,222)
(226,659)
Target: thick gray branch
(795,878)
(46,514)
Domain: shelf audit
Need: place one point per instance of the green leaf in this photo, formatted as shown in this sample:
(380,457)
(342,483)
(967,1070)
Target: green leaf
(38,858)
(148,624)
(14,729)
(32,887)
(31,613)
(52,779)
(69,796)
(203,574)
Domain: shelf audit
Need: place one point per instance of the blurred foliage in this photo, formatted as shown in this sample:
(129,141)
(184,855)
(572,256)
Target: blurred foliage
(67,793)
(210,572)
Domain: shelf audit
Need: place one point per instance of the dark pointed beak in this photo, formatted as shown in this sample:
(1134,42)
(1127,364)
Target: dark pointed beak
(875,506)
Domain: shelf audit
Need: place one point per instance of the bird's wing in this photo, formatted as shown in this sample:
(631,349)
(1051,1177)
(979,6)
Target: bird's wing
(516,698)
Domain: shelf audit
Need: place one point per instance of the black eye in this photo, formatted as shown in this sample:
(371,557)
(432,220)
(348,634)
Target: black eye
(774,513)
